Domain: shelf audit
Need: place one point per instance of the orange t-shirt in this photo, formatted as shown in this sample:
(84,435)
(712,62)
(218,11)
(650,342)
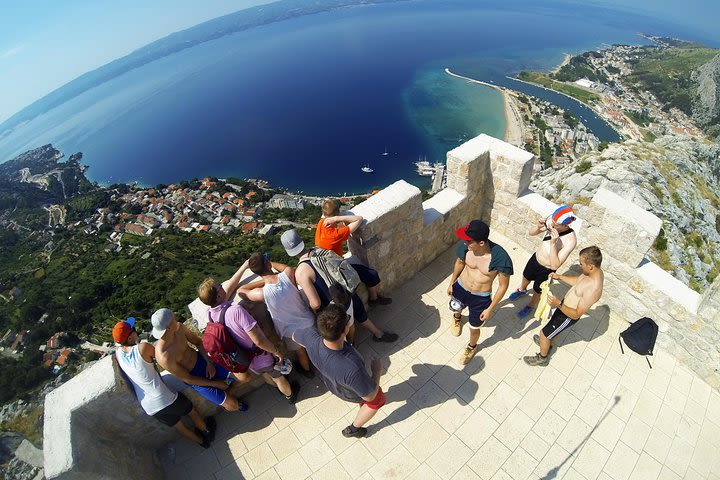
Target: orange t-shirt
(331,238)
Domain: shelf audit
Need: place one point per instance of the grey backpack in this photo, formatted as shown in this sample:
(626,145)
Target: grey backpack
(334,269)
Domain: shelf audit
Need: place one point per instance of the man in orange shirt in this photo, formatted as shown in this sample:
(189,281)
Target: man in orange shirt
(332,230)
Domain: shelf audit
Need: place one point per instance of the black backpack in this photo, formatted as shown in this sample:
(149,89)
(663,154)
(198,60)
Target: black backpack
(640,337)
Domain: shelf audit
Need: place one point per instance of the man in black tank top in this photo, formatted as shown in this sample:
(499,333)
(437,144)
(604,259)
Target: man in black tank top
(558,242)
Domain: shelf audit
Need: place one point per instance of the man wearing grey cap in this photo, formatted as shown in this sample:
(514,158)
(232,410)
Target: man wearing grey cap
(192,367)
(318,292)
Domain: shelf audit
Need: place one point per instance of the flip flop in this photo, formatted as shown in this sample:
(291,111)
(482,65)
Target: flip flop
(517,294)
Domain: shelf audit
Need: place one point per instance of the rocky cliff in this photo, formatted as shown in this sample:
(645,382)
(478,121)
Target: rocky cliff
(706,104)
(676,178)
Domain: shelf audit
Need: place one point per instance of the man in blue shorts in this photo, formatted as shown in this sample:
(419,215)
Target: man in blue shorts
(479,261)
(192,367)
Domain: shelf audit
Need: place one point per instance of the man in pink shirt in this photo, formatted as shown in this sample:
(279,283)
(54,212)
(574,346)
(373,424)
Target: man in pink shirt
(245,331)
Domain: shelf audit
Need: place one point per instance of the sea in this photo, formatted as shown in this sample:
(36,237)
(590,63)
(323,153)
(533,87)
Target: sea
(306,102)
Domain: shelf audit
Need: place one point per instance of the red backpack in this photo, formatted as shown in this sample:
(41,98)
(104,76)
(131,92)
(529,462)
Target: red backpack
(222,348)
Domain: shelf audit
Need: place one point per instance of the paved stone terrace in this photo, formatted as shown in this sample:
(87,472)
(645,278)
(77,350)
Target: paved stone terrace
(592,413)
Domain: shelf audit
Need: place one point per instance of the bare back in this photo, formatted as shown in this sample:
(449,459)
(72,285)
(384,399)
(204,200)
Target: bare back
(174,352)
(563,245)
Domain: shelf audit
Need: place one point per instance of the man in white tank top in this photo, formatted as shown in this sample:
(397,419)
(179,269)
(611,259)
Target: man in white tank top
(284,302)
(156,399)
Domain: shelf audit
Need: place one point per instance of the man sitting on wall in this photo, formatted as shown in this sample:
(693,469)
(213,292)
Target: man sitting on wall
(332,231)
(245,331)
(158,401)
(191,366)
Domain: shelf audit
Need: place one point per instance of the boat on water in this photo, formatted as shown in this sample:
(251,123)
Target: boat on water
(425,168)
(385,153)
(367,169)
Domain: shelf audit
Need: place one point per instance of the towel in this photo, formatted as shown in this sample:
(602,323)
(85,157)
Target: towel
(542,312)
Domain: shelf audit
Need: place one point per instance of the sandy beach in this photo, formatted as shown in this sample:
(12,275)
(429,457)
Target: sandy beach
(513,120)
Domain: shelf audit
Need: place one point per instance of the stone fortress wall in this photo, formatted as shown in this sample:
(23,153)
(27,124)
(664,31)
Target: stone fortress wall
(95,429)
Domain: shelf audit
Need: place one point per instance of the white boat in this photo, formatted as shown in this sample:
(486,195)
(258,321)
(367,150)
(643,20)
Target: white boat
(367,169)
(385,153)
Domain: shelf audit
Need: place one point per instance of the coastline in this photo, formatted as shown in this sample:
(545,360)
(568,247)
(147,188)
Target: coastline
(513,120)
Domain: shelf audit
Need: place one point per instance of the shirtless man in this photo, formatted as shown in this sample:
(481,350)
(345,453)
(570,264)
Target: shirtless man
(586,290)
(479,262)
(557,244)
(175,355)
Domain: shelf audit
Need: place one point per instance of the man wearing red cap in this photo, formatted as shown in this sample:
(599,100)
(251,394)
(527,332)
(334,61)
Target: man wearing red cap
(479,261)
(158,401)
(557,244)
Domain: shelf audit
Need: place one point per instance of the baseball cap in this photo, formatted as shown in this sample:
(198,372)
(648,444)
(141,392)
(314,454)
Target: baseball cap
(477,231)
(563,215)
(292,242)
(160,321)
(121,330)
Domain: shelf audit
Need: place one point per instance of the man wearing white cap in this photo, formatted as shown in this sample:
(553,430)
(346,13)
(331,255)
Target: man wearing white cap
(156,399)
(175,355)
(557,244)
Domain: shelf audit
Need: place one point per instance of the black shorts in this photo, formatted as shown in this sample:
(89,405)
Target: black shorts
(558,322)
(536,273)
(368,276)
(172,414)
(476,302)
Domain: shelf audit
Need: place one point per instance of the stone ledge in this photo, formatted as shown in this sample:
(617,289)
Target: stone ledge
(440,204)
(677,291)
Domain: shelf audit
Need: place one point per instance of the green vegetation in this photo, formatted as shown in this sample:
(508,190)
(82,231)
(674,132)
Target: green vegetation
(29,426)
(545,80)
(639,118)
(310,214)
(602,146)
(583,166)
(666,73)
(577,68)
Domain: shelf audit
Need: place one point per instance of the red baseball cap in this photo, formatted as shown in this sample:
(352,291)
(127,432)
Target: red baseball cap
(121,330)
(475,231)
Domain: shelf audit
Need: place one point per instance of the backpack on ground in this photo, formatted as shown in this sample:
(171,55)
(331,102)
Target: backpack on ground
(334,269)
(640,337)
(222,348)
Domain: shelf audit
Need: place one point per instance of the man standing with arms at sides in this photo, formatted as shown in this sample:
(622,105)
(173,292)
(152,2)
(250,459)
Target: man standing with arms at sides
(245,331)
(192,367)
(479,261)
(558,242)
(284,302)
(341,366)
(332,231)
(158,401)
(318,292)
(585,291)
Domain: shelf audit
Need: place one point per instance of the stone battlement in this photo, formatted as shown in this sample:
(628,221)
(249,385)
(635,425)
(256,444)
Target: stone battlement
(93,420)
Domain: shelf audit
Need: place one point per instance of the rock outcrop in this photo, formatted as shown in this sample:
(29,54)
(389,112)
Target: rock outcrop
(676,178)
(706,104)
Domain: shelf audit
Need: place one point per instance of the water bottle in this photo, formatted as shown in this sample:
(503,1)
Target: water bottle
(284,367)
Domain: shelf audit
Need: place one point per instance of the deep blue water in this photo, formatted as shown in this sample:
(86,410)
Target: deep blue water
(306,102)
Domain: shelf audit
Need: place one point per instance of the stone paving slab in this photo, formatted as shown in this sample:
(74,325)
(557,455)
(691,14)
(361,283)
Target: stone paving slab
(592,413)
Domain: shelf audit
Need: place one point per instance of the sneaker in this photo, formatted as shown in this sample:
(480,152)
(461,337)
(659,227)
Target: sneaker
(524,312)
(380,300)
(536,360)
(386,337)
(349,432)
(205,441)
(468,354)
(211,425)
(517,294)
(242,407)
(295,389)
(456,326)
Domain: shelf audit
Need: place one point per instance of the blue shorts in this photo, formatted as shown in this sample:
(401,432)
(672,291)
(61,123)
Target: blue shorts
(476,302)
(213,394)
(367,275)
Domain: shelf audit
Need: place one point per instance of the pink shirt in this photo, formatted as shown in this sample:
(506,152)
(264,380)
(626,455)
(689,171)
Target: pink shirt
(238,322)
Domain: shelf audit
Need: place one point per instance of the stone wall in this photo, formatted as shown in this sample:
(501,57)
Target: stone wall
(94,427)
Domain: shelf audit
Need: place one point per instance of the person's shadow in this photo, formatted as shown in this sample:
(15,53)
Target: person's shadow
(428,395)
